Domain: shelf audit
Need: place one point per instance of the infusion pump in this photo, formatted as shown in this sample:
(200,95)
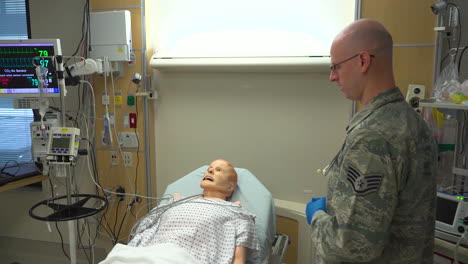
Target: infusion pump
(451,216)
(40,138)
(63,144)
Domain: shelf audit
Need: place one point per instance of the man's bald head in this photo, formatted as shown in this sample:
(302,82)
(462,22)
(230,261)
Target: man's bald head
(366,35)
(366,47)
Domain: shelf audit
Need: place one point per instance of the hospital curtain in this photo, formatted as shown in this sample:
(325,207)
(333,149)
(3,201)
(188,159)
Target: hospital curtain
(14,19)
(15,138)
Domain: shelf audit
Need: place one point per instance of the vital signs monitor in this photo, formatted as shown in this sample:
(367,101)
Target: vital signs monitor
(18,71)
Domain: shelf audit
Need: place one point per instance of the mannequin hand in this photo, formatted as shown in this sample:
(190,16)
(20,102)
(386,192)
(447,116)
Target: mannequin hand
(314,205)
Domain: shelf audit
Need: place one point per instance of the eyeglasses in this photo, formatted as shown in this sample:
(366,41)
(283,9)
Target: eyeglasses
(334,67)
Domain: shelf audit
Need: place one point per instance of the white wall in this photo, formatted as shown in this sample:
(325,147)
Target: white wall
(280,126)
(49,19)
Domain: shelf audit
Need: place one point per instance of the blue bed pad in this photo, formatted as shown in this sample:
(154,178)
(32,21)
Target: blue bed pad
(252,194)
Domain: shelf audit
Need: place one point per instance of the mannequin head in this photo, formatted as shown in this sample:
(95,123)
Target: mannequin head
(219,181)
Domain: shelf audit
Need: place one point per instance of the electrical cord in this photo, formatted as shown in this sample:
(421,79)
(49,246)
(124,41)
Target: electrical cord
(80,242)
(6,163)
(115,223)
(69,117)
(96,182)
(56,225)
(461,57)
(455,255)
(84,32)
(154,212)
(102,221)
(121,224)
(448,53)
(61,241)
(157,212)
(8,173)
(138,144)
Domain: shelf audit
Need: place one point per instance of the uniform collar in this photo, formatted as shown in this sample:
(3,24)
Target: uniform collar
(389,96)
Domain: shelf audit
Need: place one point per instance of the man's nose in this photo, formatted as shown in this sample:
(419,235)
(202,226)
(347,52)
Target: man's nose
(333,77)
(210,171)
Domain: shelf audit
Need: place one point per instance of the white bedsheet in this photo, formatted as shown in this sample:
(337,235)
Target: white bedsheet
(155,254)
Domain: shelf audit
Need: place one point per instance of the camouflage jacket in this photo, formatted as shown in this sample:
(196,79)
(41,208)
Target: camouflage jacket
(381,189)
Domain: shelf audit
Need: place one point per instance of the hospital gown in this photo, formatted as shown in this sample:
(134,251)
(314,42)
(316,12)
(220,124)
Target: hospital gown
(208,229)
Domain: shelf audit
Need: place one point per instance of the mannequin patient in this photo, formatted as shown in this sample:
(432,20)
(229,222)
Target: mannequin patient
(209,227)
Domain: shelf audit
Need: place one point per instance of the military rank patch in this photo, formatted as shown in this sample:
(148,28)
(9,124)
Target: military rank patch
(363,184)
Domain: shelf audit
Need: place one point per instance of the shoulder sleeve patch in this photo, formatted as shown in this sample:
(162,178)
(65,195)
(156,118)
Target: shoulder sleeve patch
(363,184)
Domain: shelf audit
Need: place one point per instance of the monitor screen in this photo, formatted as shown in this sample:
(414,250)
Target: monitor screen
(17,71)
(446,210)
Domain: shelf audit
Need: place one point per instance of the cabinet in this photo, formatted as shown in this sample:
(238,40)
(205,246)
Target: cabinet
(459,170)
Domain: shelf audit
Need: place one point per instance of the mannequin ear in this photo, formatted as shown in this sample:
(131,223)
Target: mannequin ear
(230,189)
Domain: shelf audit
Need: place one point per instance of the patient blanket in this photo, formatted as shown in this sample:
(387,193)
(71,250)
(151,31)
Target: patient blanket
(207,229)
(156,254)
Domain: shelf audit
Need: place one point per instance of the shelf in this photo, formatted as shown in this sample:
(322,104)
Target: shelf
(431,103)
(23,182)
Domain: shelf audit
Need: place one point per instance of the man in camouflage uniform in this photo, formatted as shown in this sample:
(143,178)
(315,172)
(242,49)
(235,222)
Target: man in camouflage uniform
(380,203)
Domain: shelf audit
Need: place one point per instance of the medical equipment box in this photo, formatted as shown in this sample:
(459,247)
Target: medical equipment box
(63,141)
(451,216)
(111,35)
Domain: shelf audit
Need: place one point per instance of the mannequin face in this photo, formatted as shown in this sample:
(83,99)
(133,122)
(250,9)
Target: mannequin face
(219,181)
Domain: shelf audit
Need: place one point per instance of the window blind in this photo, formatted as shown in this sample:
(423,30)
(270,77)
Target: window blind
(14,19)
(15,138)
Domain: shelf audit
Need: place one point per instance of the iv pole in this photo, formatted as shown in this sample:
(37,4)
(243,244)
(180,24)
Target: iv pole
(73,209)
(71,223)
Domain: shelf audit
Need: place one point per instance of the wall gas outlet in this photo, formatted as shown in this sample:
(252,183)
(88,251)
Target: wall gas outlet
(127,159)
(415,93)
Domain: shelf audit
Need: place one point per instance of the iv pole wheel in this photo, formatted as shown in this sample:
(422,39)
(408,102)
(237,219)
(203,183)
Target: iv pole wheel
(65,212)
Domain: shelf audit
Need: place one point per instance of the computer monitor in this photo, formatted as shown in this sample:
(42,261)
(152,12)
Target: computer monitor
(17,71)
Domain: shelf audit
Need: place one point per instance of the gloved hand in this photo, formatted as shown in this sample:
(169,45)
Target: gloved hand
(314,205)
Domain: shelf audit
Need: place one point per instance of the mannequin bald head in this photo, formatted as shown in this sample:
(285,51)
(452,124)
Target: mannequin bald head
(219,181)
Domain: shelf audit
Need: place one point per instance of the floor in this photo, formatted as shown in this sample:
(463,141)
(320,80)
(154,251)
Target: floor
(25,251)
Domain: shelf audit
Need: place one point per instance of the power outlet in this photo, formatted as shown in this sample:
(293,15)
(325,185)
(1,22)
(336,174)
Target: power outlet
(127,159)
(114,158)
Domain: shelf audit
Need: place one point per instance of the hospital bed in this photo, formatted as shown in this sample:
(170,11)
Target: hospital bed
(255,198)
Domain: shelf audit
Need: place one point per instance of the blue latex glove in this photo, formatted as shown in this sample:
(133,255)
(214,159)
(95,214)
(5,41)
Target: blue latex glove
(314,205)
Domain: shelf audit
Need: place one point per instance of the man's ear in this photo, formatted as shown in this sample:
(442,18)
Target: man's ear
(365,61)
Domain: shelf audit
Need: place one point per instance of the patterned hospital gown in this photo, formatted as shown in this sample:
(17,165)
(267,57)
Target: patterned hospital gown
(207,229)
